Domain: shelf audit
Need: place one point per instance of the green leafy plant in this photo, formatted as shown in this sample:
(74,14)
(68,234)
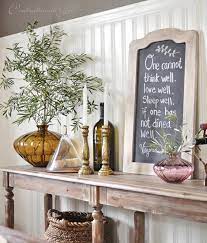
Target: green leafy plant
(172,143)
(51,83)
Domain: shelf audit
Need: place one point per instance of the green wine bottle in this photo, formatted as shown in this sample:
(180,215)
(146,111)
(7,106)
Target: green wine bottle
(97,142)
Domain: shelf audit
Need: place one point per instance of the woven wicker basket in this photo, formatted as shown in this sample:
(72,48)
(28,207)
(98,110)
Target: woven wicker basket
(69,227)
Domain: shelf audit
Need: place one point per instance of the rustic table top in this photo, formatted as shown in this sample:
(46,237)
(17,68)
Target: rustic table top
(13,236)
(190,189)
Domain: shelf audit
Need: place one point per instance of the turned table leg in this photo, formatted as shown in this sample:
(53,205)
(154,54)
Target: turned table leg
(9,202)
(97,225)
(47,206)
(139,227)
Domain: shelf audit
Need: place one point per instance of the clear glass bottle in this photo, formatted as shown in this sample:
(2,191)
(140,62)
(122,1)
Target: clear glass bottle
(97,142)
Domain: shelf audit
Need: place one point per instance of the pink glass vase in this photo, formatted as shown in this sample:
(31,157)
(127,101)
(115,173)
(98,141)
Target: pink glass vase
(174,169)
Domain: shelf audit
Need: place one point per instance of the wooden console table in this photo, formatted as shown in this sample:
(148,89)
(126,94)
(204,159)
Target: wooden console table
(135,192)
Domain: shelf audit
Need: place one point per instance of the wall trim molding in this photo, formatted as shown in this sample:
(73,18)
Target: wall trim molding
(130,11)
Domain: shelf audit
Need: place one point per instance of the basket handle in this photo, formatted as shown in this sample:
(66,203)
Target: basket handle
(51,211)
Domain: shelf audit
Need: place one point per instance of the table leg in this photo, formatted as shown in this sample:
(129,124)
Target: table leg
(139,227)
(9,202)
(97,225)
(47,206)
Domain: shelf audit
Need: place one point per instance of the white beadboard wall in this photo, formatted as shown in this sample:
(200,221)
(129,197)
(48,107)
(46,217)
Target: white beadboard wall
(106,36)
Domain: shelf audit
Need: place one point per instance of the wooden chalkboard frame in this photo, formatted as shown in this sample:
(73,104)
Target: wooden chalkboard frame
(190,38)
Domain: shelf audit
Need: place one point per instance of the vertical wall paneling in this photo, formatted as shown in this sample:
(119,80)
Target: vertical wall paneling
(134,28)
(99,60)
(140,26)
(166,19)
(87,45)
(127,29)
(117,85)
(146,24)
(178,18)
(202,85)
(106,37)
(98,51)
(107,53)
(153,22)
(112,86)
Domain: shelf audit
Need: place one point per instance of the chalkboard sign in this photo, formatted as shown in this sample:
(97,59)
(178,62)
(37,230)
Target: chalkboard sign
(162,81)
(160,90)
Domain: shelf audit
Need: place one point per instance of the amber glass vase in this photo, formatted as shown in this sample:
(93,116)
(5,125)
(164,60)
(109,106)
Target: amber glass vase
(37,147)
(174,169)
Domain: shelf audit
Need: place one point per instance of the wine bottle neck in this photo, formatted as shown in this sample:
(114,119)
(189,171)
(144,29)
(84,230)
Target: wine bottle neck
(101,111)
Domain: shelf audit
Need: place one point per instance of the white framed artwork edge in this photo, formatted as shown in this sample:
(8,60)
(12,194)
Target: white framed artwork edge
(190,38)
